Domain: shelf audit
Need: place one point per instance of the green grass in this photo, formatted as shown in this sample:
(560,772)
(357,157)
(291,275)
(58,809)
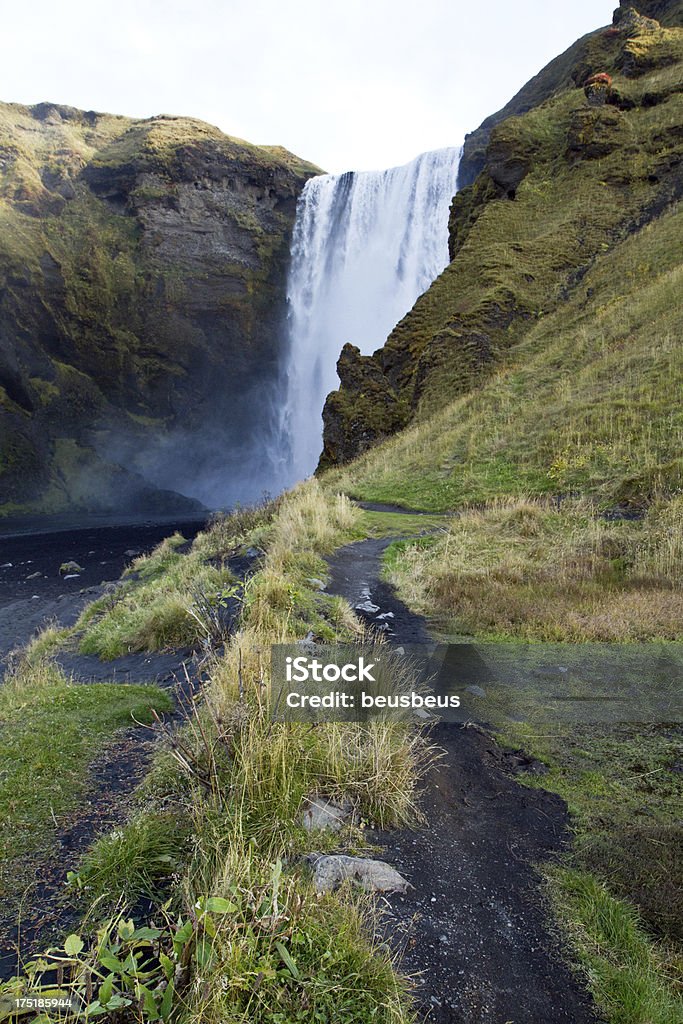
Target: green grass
(155,610)
(626,799)
(135,860)
(50,731)
(388,524)
(632,983)
(587,403)
(316,963)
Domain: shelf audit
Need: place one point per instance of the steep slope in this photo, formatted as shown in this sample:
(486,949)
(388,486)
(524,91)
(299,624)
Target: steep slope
(563,186)
(588,403)
(142,277)
(555,76)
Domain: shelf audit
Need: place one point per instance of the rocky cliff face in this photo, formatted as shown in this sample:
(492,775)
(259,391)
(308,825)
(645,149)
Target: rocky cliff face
(595,156)
(142,291)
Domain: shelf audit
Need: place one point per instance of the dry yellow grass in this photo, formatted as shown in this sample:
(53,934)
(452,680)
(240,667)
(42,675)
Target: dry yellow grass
(533,570)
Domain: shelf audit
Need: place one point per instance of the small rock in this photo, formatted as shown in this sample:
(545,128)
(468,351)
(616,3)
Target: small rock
(308,643)
(366,603)
(320,584)
(33,576)
(372,875)
(319,812)
(70,568)
(6,565)
(131,553)
(476,691)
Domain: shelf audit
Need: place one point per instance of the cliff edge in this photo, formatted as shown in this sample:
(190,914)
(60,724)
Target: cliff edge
(142,293)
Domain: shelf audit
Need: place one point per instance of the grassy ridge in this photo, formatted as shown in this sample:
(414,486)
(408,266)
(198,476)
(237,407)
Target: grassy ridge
(588,402)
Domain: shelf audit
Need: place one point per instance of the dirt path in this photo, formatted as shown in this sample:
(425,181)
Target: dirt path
(474,927)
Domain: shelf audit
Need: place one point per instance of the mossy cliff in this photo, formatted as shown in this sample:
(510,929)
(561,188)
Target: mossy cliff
(555,190)
(142,289)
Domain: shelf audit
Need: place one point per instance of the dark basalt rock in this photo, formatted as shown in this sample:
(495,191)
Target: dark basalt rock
(142,296)
(365,410)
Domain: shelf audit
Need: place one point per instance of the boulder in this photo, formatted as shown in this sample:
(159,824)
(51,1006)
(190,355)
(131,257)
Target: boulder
(70,569)
(372,875)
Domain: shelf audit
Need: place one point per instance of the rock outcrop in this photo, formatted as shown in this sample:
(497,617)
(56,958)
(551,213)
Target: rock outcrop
(596,156)
(364,411)
(142,295)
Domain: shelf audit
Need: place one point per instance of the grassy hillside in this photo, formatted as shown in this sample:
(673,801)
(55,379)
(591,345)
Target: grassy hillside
(587,402)
(542,376)
(543,235)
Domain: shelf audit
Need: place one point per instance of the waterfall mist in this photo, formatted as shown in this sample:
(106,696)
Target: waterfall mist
(365,246)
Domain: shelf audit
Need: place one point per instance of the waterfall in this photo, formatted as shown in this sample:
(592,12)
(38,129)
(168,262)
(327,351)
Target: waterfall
(366,244)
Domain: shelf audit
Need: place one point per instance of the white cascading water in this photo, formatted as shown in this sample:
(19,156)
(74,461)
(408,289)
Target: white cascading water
(366,244)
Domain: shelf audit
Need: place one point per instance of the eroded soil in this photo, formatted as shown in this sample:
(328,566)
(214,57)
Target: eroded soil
(474,930)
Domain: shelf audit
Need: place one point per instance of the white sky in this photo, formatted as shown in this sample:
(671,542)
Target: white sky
(347,85)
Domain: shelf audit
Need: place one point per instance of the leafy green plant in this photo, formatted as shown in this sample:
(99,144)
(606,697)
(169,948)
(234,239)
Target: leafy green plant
(127,973)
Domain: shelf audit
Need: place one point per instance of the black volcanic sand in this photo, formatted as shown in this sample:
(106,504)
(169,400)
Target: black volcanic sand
(102,551)
(473,928)
(380,506)
(32,592)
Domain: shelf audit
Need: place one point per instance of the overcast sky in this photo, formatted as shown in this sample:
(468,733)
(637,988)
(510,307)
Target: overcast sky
(358,84)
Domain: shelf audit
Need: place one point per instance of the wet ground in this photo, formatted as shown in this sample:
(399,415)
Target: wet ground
(32,593)
(474,928)
(32,590)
